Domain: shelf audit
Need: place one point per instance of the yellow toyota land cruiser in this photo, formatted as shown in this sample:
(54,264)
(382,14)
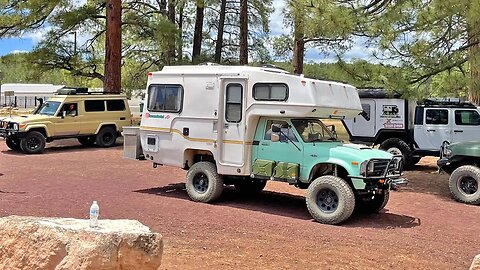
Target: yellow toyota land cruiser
(91,117)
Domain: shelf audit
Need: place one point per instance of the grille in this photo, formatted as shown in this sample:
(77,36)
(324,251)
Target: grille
(379,167)
(3,124)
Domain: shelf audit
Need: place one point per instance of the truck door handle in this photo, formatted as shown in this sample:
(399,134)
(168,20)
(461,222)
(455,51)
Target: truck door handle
(265,143)
(431,130)
(458,131)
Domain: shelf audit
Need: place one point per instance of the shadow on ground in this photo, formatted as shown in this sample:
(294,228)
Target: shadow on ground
(287,205)
(61,148)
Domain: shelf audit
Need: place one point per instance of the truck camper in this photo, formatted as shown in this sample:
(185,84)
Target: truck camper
(244,126)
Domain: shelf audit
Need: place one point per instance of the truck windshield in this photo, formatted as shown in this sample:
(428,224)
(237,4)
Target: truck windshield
(49,108)
(313,130)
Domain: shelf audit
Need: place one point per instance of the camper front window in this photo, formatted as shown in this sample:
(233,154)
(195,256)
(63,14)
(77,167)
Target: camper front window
(49,108)
(165,98)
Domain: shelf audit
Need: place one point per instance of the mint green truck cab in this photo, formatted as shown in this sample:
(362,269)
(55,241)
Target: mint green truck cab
(339,177)
(462,161)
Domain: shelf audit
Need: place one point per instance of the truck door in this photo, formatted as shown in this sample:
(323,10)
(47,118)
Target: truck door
(364,124)
(233,124)
(466,126)
(436,129)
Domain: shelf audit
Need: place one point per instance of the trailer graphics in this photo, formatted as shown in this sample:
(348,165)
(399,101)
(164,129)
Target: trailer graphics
(244,126)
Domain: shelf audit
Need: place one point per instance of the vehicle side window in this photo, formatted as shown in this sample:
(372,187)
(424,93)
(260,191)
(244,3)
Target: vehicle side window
(285,128)
(436,117)
(71,109)
(366,111)
(467,117)
(233,103)
(270,91)
(165,98)
(115,105)
(94,105)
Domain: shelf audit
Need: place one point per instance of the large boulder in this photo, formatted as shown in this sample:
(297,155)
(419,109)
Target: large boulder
(476,263)
(65,243)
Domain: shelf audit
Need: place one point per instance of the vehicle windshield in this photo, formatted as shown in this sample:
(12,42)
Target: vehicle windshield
(313,130)
(49,108)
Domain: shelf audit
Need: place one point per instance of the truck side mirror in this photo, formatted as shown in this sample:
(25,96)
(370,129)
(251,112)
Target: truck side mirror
(276,128)
(333,130)
(275,137)
(64,114)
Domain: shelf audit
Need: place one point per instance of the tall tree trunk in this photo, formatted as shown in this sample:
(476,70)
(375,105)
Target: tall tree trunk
(299,40)
(221,24)
(197,35)
(474,51)
(243,32)
(171,42)
(180,31)
(113,47)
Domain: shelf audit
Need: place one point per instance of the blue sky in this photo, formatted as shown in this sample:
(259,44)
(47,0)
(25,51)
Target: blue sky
(10,45)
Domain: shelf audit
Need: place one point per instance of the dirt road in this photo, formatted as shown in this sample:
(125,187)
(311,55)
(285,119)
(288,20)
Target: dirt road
(421,228)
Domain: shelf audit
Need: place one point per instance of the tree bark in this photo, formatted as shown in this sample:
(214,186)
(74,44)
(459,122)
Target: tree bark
(299,41)
(171,42)
(221,24)
(474,52)
(197,35)
(113,47)
(243,32)
(180,31)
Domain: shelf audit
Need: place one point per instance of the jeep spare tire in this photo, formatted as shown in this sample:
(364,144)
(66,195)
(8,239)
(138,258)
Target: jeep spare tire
(396,146)
(106,137)
(330,200)
(33,143)
(464,184)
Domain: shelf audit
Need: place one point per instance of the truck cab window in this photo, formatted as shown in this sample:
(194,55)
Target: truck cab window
(165,98)
(286,129)
(436,117)
(313,130)
(467,118)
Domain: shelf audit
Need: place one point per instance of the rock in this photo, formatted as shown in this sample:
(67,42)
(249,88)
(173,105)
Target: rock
(65,243)
(476,263)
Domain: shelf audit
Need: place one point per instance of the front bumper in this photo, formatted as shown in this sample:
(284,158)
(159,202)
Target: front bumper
(390,178)
(11,133)
(441,163)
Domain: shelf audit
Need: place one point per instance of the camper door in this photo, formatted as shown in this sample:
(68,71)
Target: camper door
(232,122)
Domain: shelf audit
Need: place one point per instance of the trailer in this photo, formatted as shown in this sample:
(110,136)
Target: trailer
(244,126)
(410,128)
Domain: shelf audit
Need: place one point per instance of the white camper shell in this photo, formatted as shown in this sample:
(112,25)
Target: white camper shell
(192,110)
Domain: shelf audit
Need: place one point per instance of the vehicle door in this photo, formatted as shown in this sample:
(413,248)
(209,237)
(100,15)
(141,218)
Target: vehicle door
(232,138)
(288,149)
(466,126)
(364,123)
(436,129)
(67,120)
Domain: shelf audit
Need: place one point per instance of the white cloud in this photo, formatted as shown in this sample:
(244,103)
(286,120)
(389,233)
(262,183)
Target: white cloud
(18,51)
(37,35)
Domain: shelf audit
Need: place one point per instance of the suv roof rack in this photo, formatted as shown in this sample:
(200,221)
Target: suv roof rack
(79,91)
(447,102)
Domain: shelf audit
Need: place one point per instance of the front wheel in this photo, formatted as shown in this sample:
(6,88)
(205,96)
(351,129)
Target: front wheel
(13,144)
(330,200)
(464,183)
(33,143)
(204,184)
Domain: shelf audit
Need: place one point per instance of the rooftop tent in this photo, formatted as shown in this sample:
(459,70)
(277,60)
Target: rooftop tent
(22,89)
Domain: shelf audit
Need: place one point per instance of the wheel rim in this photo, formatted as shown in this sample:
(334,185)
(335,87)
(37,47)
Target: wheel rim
(200,182)
(468,185)
(33,143)
(327,200)
(394,151)
(107,137)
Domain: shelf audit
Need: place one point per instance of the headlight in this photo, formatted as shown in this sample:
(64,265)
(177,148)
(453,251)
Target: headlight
(363,167)
(446,152)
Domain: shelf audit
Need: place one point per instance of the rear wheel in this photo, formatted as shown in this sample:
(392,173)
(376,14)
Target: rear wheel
(396,146)
(369,205)
(250,186)
(13,144)
(33,143)
(204,184)
(464,183)
(87,140)
(330,199)
(106,137)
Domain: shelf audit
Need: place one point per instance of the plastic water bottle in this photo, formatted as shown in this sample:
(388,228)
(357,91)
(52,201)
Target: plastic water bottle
(94,212)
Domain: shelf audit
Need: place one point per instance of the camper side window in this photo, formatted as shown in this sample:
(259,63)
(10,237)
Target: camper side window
(165,98)
(233,110)
(270,91)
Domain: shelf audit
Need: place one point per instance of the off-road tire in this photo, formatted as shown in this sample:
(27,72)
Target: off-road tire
(367,205)
(87,140)
(250,186)
(472,174)
(106,137)
(404,148)
(13,144)
(199,191)
(319,208)
(33,143)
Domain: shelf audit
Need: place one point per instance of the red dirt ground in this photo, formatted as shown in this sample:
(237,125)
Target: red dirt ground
(421,228)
